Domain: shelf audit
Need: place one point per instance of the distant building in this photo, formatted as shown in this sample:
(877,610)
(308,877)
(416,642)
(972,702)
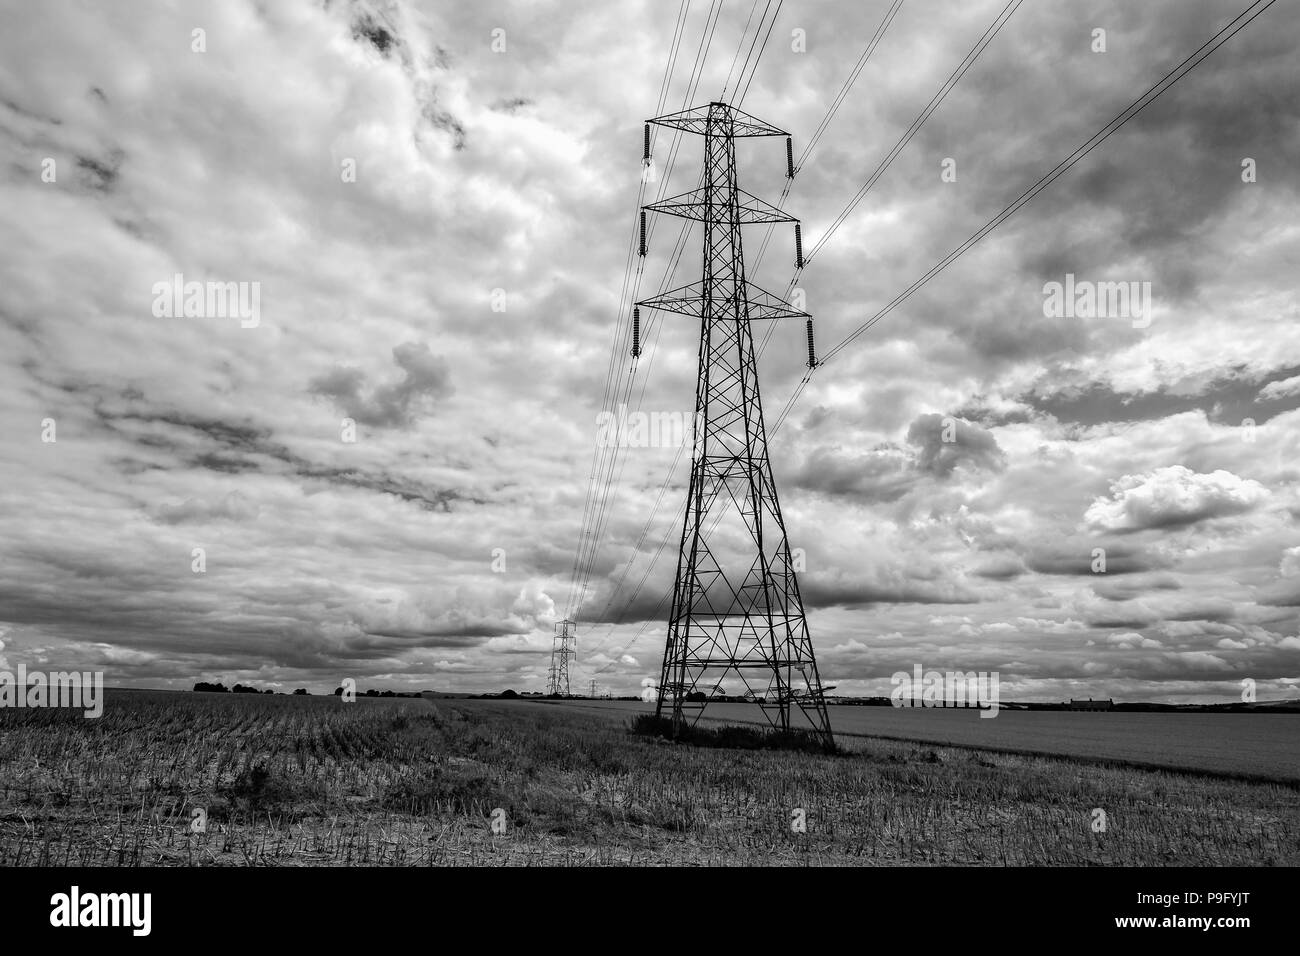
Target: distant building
(1091,704)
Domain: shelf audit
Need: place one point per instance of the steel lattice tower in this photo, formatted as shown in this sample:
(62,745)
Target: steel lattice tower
(736,604)
(563,646)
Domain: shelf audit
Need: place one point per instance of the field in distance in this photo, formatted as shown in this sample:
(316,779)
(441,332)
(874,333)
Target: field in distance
(1255,746)
(217,779)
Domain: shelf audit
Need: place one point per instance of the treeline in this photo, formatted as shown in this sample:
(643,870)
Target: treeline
(217,688)
(205,687)
(223,689)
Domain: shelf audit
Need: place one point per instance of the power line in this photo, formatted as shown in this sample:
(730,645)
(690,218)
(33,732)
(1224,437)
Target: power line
(606,460)
(741,42)
(1133,109)
(1088,145)
(980,45)
(822,126)
(679,245)
(804,158)
(593,538)
(754,69)
(750,52)
(1186,66)
(611,375)
(848,84)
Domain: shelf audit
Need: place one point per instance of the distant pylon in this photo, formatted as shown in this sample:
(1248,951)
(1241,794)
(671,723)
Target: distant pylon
(563,646)
(736,605)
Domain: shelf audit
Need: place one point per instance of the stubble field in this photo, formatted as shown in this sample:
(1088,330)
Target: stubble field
(166,779)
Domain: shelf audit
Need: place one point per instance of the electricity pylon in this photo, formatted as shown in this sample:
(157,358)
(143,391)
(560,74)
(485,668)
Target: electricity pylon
(563,646)
(736,605)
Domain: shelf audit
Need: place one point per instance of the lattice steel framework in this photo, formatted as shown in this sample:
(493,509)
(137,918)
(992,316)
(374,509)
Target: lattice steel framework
(736,605)
(563,646)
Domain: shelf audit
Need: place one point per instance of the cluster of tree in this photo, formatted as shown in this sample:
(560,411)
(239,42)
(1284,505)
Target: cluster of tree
(211,688)
(205,687)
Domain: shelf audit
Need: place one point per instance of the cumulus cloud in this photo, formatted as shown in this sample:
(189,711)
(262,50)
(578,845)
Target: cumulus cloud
(1171,497)
(1132,640)
(1283,388)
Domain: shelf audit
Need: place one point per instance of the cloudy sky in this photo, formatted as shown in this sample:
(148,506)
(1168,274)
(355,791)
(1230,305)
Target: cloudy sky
(435,203)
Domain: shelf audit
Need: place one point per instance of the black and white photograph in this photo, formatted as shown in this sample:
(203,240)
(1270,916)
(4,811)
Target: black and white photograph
(647,434)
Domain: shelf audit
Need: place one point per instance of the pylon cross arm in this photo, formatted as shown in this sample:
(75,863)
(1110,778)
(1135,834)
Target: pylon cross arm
(697,121)
(693,205)
(691,300)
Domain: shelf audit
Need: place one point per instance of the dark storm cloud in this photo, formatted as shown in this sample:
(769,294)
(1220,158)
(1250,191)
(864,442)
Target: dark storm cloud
(1002,568)
(887,472)
(1075,556)
(233,507)
(427,497)
(28,114)
(442,120)
(512,104)
(367,27)
(945,442)
(1169,173)
(821,590)
(101,174)
(1149,189)
(1127,614)
(1285,593)
(883,474)
(425,378)
(183,429)
(650,603)
(381,31)
(1133,585)
(978,411)
(1197,609)
(239,447)
(402,639)
(1229,400)
(1203,137)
